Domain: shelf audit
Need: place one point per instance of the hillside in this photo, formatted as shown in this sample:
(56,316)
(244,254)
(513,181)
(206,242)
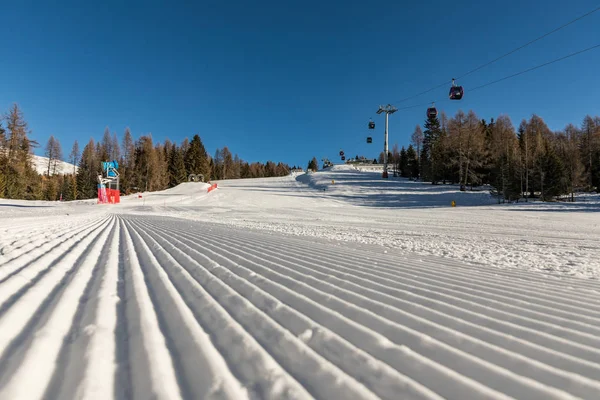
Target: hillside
(40,164)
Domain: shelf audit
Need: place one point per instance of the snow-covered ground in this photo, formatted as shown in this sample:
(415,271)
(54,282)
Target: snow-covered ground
(332,285)
(40,164)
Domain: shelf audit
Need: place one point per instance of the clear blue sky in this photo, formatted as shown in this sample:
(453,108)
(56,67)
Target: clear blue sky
(286,80)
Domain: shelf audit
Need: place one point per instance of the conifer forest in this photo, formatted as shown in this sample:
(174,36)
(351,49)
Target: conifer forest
(516,162)
(144,164)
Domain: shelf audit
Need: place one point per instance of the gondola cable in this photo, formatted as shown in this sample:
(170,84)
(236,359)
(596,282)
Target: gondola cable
(515,74)
(502,56)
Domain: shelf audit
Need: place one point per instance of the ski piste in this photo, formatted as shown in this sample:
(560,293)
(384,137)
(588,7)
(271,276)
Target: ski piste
(334,284)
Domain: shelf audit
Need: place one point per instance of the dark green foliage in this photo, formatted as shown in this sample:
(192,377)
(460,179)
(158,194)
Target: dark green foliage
(87,175)
(196,159)
(403,163)
(313,165)
(412,163)
(554,178)
(433,150)
(177,172)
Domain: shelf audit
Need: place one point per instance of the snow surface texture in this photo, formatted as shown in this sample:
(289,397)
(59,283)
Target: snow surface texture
(40,164)
(414,218)
(172,296)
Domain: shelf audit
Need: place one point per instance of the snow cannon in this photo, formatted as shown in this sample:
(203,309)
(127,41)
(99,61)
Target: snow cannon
(110,167)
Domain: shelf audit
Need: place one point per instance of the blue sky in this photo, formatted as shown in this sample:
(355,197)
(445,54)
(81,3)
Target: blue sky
(286,80)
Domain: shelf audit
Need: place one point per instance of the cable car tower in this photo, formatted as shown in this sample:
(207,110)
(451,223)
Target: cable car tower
(389,109)
(108,183)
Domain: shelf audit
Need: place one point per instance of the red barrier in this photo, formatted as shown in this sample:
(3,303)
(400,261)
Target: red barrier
(110,196)
(211,188)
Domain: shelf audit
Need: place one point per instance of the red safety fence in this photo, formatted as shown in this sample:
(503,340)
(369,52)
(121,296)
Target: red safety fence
(108,196)
(211,188)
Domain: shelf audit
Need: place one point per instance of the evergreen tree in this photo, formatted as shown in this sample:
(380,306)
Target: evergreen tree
(147,174)
(313,165)
(177,172)
(417,142)
(19,175)
(403,163)
(431,158)
(590,148)
(87,175)
(554,179)
(271,169)
(196,159)
(412,163)
(127,163)
(245,170)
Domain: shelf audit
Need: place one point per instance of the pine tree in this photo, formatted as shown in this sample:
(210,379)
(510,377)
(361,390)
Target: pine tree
(87,175)
(245,170)
(432,150)
(403,163)
(74,156)
(3,160)
(127,163)
(412,163)
(568,151)
(196,159)
(417,142)
(19,175)
(554,179)
(177,173)
(271,169)
(313,165)
(146,165)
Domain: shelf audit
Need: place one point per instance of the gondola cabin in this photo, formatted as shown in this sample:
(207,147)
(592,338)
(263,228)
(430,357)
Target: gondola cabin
(369,139)
(456,92)
(341,153)
(432,112)
(343,158)
(371,125)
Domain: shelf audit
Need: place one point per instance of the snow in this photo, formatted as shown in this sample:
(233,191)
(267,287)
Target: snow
(334,284)
(40,164)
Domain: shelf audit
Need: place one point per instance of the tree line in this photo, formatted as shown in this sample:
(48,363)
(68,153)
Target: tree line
(144,165)
(530,161)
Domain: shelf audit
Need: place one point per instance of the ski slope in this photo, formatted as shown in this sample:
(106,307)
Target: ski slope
(40,165)
(293,288)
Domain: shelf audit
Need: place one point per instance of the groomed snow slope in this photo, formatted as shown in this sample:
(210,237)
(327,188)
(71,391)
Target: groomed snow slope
(139,300)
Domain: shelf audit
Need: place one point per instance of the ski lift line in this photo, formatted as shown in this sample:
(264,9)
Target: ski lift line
(536,67)
(511,76)
(502,56)
(426,91)
(530,42)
